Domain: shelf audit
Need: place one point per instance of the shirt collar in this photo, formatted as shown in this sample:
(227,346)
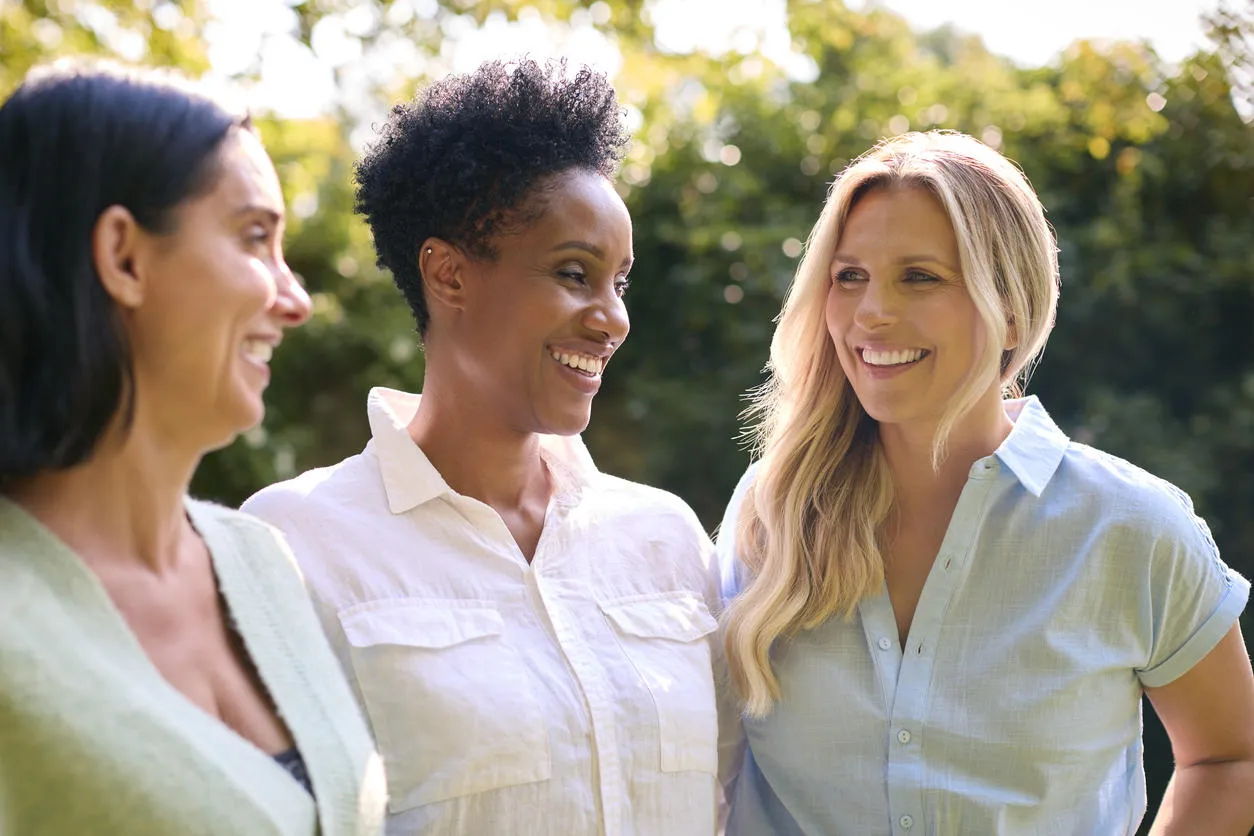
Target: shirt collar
(1035,446)
(409,478)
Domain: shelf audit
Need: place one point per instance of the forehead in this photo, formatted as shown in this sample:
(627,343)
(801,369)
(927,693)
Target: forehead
(245,175)
(583,202)
(898,217)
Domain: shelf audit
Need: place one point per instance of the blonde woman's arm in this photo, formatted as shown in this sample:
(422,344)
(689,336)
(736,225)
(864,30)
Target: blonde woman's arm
(1209,715)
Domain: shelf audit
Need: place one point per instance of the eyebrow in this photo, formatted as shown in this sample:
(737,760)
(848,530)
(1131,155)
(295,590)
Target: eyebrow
(905,259)
(592,249)
(251,208)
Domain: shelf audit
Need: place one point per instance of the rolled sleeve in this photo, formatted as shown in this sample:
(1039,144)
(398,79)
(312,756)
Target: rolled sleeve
(1195,596)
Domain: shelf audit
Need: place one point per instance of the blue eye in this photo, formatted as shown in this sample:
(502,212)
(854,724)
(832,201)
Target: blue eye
(847,277)
(920,276)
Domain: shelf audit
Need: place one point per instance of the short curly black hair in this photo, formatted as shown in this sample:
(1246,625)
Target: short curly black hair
(460,160)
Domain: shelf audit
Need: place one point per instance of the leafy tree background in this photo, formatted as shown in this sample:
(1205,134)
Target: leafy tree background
(1146,169)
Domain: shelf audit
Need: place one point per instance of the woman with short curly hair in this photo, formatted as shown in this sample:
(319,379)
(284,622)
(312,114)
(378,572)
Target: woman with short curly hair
(528,636)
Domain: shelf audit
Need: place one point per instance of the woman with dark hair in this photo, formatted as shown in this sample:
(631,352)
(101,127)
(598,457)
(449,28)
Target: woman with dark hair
(161,669)
(528,635)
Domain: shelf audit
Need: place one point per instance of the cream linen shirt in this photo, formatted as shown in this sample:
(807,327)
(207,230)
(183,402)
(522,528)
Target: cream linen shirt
(572,695)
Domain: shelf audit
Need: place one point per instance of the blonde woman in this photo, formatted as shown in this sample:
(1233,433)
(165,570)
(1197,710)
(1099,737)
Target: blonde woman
(945,612)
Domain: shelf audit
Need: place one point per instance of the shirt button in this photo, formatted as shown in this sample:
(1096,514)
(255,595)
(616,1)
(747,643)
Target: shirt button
(906,822)
(903,736)
(885,643)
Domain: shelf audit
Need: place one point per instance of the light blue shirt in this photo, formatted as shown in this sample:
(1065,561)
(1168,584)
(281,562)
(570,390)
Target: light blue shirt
(1067,581)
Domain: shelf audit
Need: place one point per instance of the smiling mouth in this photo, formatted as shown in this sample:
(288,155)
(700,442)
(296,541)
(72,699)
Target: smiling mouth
(583,363)
(259,351)
(892,359)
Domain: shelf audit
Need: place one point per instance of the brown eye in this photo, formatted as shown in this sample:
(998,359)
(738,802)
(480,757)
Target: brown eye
(257,235)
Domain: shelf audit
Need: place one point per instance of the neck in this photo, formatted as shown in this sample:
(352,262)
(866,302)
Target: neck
(125,504)
(908,450)
(477,456)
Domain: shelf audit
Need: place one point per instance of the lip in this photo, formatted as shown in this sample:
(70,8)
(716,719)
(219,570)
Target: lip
(886,346)
(581,381)
(591,349)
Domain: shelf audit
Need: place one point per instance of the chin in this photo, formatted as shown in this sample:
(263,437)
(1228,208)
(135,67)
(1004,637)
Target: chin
(569,423)
(241,417)
(882,413)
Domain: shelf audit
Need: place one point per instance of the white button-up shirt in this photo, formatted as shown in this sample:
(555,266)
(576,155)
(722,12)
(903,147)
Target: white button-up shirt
(1067,581)
(572,695)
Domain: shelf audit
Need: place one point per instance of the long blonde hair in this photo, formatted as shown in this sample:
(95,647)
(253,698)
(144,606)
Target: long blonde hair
(807,531)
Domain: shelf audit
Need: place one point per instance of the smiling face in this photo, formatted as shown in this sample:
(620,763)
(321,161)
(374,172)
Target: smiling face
(902,321)
(537,324)
(216,298)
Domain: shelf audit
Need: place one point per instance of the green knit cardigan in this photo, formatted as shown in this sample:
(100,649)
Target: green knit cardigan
(93,740)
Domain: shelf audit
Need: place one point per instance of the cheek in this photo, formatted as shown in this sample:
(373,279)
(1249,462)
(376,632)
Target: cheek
(262,290)
(832,313)
(964,334)
(838,316)
(232,295)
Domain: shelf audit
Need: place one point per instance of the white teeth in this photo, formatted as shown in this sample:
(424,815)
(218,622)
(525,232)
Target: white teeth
(891,358)
(591,365)
(258,350)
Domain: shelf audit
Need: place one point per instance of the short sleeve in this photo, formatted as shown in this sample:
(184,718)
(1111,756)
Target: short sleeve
(1195,597)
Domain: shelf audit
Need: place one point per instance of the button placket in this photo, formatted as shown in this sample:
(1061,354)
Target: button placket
(906,766)
(878,625)
(590,679)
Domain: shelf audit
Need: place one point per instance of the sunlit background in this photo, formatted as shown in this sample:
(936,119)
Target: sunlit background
(297,80)
(1133,120)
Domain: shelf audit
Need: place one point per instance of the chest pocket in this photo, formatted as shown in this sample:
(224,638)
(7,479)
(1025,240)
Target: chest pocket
(450,701)
(665,638)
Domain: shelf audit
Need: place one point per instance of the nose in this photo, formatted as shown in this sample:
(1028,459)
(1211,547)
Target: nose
(291,303)
(607,315)
(877,306)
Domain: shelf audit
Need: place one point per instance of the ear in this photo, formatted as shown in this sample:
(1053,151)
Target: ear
(114,244)
(1012,334)
(442,267)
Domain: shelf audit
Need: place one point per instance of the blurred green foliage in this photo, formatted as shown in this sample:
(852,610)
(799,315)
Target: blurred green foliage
(1146,169)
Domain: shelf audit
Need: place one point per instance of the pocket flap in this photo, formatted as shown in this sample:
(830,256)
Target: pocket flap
(680,616)
(419,624)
